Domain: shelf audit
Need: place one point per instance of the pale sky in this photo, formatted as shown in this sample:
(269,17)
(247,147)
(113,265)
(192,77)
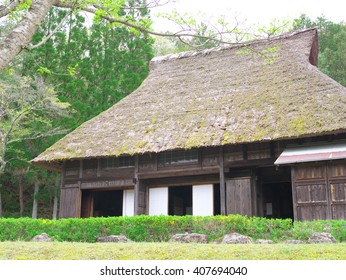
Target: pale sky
(260,11)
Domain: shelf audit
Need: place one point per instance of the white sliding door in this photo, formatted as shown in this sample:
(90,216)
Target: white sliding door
(203,200)
(158,201)
(129,203)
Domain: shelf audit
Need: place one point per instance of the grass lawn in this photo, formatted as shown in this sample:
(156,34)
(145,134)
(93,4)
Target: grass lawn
(169,251)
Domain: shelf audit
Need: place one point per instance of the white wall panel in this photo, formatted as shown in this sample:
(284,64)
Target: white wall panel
(203,200)
(129,203)
(158,201)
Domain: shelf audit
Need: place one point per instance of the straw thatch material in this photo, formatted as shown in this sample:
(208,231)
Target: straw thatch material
(260,91)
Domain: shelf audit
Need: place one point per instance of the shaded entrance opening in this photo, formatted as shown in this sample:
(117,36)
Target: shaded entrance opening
(276,193)
(180,200)
(102,203)
(217,207)
(277,198)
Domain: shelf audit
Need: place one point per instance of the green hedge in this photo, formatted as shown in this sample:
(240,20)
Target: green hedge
(161,228)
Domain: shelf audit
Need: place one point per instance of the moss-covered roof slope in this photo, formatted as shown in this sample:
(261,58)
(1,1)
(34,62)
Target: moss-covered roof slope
(259,91)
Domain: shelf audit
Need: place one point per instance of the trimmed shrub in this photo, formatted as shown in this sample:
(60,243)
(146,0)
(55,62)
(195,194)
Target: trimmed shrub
(161,228)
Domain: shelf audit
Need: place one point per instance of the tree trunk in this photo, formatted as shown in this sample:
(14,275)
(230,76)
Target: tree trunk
(22,34)
(21,200)
(55,207)
(34,206)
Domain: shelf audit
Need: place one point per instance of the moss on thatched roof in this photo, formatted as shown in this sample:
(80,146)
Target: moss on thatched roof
(259,91)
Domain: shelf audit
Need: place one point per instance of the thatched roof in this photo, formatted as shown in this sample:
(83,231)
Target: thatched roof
(259,91)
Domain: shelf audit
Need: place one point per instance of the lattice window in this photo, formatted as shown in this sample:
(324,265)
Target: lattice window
(178,157)
(118,162)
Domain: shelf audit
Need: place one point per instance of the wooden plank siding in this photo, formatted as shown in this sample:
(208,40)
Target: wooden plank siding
(209,162)
(239,196)
(70,202)
(211,167)
(337,182)
(319,190)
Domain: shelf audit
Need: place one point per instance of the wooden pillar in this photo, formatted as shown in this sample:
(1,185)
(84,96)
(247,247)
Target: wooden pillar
(222,183)
(98,172)
(328,196)
(81,169)
(62,183)
(294,194)
(140,194)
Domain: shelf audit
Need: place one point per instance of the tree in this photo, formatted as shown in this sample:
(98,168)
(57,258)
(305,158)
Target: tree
(91,68)
(98,65)
(30,13)
(332,45)
(27,110)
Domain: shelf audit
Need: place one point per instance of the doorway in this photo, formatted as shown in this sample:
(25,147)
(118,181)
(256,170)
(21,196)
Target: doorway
(275,193)
(180,200)
(102,203)
(197,200)
(277,200)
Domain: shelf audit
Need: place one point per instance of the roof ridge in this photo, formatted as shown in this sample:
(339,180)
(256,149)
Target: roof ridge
(192,53)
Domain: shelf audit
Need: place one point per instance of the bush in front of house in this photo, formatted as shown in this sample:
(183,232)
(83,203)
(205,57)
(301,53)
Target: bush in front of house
(161,228)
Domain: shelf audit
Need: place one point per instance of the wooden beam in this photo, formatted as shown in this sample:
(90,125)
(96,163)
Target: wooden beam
(140,192)
(251,163)
(136,189)
(80,169)
(245,152)
(177,173)
(182,180)
(294,194)
(272,149)
(222,183)
(328,196)
(63,172)
(98,167)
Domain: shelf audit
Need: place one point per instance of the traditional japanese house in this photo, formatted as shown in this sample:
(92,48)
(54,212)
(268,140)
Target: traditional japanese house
(254,129)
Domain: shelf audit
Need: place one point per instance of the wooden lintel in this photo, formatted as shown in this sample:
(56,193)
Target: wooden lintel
(182,180)
(177,173)
(106,184)
(251,163)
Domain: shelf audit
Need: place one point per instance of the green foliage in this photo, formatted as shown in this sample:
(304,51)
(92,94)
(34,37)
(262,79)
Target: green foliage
(302,230)
(161,228)
(198,31)
(332,45)
(94,67)
(91,68)
(27,108)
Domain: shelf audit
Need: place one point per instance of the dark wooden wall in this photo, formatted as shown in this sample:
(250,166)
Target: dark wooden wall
(319,190)
(212,166)
(239,193)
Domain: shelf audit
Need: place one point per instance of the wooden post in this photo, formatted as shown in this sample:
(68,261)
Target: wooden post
(136,190)
(140,192)
(98,172)
(328,196)
(222,183)
(81,169)
(294,194)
